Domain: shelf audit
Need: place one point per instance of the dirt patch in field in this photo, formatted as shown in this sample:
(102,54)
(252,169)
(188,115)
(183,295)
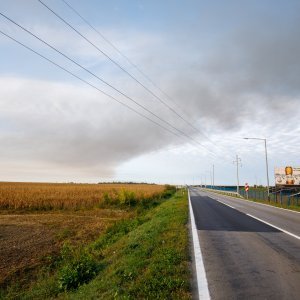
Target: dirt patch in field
(25,239)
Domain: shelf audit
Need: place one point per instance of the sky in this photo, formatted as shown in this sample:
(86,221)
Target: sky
(207,73)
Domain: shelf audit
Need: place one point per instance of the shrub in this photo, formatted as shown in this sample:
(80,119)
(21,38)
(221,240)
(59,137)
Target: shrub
(169,191)
(78,270)
(127,198)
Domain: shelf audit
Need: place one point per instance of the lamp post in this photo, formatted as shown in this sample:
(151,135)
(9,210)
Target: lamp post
(207,171)
(213,176)
(203,175)
(266,155)
(201,181)
(237,162)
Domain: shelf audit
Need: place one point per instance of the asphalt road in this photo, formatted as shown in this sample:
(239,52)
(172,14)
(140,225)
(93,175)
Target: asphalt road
(243,257)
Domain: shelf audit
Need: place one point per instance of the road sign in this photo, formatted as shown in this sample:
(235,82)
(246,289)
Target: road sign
(246,187)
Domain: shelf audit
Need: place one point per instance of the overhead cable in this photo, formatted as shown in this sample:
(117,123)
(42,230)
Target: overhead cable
(105,82)
(88,83)
(115,62)
(136,67)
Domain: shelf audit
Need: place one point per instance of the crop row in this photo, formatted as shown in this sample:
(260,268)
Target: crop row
(47,196)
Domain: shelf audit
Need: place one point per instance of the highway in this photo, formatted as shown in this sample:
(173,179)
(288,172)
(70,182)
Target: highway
(243,257)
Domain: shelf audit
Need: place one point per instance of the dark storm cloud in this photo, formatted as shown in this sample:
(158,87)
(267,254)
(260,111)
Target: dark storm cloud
(254,67)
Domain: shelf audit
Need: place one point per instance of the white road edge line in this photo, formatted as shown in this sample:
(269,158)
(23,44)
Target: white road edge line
(224,203)
(268,205)
(276,227)
(203,291)
(285,231)
(286,209)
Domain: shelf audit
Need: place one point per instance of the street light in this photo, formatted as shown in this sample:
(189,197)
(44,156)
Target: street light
(266,153)
(237,162)
(207,171)
(213,176)
(203,180)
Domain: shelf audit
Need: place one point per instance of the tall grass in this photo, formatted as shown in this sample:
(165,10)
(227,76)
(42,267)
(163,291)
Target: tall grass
(52,196)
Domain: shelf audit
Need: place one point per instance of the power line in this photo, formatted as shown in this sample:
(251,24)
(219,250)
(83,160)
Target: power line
(135,66)
(88,83)
(142,73)
(87,70)
(117,64)
(129,61)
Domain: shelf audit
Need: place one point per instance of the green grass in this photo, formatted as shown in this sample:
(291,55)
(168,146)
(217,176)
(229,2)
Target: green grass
(146,257)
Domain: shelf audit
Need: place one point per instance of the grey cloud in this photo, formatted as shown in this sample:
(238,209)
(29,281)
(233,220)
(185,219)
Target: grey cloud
(68,133)
(255,67)
(248,78)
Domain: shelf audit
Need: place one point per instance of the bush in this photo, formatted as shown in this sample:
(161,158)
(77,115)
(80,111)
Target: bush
(127,198)
(77,271)
(169,191)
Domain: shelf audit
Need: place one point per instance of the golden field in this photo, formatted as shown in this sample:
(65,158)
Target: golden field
(36,219)
(56,196)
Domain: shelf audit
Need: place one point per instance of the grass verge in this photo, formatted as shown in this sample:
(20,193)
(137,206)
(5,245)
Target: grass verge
(145,257)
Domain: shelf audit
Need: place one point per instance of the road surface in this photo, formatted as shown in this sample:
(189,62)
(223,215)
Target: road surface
(243,257)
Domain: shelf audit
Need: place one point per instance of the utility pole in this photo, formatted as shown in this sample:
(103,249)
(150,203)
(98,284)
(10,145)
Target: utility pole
(267,167)
(237,162)
(213,175)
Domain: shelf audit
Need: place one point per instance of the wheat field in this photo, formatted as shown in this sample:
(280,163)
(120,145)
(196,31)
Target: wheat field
(51,196)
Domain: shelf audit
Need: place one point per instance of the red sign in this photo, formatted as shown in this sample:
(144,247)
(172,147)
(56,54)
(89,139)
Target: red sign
(246,187)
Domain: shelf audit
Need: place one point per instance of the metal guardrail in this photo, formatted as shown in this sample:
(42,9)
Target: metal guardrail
(295,194)
(224,192)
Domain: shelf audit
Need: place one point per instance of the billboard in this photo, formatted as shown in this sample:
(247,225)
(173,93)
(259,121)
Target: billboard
(287,175)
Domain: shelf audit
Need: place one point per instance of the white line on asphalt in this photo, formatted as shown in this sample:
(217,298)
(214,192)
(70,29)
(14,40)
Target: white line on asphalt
(286,209)
(268,205)
(276,227)
(279,228)
(203,291)
(224,203)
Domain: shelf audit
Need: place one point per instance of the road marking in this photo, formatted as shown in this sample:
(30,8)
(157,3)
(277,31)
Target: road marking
(255,202)
(203,291)
(225,204)
(276,227)
(286,209)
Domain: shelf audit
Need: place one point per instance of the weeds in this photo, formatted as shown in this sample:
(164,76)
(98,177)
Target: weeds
(79,269)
